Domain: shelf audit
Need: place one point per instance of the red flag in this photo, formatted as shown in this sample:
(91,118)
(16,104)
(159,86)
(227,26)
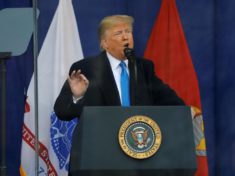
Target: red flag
(167,48)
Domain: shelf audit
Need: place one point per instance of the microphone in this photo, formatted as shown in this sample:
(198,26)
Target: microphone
(130,54)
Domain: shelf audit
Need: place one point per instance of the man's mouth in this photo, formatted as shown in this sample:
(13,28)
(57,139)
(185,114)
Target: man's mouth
(126,45)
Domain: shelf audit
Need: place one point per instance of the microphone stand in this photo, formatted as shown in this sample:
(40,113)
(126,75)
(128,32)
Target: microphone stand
(129,53)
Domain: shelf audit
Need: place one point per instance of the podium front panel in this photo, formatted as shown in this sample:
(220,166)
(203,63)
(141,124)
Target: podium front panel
(96,149)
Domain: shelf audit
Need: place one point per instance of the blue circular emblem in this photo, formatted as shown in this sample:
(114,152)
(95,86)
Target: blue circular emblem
(140,137)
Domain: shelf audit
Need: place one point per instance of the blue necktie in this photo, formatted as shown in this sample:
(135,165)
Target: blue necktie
(124,85)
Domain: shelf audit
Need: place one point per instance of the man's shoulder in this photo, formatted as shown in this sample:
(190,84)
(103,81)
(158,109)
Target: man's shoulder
(87,62)
(144,61)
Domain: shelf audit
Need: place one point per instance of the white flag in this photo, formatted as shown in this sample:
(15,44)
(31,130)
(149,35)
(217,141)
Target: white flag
(60,49)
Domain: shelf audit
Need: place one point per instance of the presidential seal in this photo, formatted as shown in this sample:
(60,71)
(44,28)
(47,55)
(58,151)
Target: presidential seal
(140,137)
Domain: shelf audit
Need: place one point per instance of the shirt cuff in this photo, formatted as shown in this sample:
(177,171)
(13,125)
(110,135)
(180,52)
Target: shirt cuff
(75,100)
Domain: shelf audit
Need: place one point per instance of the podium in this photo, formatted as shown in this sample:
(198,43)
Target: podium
(96,150)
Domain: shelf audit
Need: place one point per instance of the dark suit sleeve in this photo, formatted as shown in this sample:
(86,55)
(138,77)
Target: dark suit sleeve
(64,107)
(161,92)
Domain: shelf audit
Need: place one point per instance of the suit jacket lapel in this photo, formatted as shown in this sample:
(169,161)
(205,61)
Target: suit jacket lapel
(142,94)
(107,82)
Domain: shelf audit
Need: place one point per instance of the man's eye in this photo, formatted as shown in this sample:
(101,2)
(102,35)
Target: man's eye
(117,33)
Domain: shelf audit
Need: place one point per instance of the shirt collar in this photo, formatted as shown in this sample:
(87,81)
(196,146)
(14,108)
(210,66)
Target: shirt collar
(114,62)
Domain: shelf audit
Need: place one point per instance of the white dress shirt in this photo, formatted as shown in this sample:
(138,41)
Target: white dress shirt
(116,69)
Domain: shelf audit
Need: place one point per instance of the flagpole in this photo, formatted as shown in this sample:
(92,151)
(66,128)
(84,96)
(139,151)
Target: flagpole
(35,56)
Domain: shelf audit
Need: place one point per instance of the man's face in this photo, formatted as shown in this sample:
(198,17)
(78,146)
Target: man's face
(117,38)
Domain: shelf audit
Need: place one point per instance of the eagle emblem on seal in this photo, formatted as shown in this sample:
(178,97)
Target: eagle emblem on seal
(140,136)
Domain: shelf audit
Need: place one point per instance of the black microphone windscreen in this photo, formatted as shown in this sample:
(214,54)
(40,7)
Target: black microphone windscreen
(129,52)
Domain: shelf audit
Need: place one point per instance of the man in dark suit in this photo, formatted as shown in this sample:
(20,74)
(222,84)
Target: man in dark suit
(95,81)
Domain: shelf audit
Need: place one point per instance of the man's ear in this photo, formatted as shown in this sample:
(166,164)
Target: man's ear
(104,44)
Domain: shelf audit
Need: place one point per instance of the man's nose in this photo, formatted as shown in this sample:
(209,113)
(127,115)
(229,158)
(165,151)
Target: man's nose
(125,35)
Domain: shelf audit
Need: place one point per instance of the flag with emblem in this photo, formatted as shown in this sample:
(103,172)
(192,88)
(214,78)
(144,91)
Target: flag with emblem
(167,48)
(61,47)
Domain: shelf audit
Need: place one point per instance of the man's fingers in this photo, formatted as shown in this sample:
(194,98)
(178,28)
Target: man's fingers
(73,75)
(83,78)
(77,77)
(78,74)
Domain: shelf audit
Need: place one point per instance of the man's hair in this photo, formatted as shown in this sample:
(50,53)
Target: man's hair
(111,21)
